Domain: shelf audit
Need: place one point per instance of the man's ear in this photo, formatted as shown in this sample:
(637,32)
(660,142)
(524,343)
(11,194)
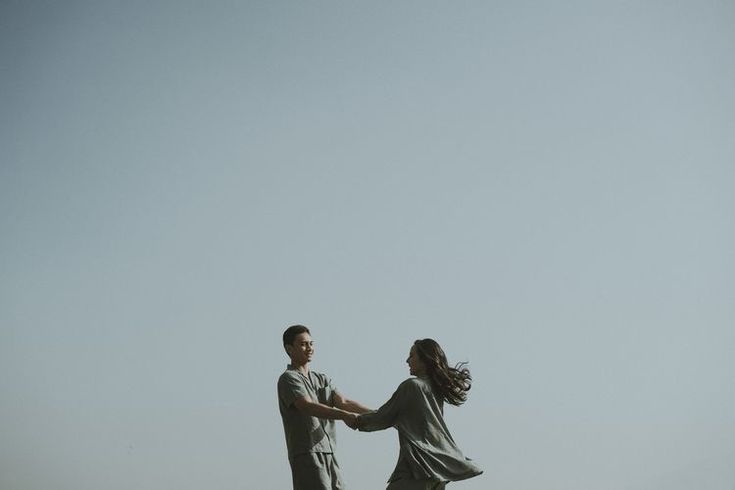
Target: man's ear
(289,348)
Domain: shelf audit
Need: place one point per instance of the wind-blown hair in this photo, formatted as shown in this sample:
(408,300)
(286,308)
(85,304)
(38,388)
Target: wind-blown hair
(452,383)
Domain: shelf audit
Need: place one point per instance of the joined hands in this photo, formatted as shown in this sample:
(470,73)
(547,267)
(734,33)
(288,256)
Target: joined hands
(351,420)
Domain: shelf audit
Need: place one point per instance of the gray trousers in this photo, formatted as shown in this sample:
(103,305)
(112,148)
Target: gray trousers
(316,471)
(406,484)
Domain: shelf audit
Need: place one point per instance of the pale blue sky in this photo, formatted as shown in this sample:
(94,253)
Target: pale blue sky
(546,188)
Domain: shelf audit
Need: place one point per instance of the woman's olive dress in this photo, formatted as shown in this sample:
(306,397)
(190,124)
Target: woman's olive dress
(427,451)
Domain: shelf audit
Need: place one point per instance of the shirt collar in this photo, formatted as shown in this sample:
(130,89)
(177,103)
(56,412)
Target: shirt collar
(291,367)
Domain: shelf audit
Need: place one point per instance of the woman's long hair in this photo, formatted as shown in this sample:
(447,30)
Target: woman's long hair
(452,383)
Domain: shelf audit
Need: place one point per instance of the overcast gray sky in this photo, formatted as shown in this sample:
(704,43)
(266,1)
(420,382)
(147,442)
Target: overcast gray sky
(546,188)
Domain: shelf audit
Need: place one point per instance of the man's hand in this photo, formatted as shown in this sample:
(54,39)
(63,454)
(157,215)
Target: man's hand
(351,420)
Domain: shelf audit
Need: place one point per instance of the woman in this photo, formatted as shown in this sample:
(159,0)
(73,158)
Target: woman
(428,457)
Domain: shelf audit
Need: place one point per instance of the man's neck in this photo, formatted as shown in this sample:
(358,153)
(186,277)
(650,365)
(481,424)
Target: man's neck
(302,368)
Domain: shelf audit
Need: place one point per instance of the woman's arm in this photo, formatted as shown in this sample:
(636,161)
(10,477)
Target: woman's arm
(385,416)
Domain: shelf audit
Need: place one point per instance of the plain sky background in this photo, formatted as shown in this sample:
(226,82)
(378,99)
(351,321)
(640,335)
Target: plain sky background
(546,188)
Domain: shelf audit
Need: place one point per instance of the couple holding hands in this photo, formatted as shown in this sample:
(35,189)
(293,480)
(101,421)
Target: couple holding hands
(309,404)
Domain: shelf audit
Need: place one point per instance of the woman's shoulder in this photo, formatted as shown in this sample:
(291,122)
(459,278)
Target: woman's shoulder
(420,384)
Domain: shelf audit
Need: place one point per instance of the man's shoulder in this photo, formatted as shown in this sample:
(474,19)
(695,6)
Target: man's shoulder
(292,374)
(288,375)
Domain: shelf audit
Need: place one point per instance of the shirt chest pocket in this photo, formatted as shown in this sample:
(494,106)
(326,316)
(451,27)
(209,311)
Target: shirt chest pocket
(325,395)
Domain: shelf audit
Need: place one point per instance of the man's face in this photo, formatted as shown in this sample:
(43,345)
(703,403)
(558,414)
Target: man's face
(301,350)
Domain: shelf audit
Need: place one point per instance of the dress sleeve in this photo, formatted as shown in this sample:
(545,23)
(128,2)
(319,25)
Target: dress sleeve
(385,416)
(291,388)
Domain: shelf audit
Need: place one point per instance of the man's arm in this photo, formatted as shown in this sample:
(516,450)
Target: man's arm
(349,405)
(319,410)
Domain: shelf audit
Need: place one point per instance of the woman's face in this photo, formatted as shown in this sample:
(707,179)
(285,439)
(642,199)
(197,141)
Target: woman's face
(415,365)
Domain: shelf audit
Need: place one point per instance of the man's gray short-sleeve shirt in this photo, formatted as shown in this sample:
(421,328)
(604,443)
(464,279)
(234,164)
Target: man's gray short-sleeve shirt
(304,433)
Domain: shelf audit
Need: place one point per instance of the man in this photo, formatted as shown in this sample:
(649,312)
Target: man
(309,404)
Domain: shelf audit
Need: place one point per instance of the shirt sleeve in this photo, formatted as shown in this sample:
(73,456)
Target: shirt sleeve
(385,416)
(291,388)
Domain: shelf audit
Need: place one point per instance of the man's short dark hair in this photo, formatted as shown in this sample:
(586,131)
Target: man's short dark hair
(291,332)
